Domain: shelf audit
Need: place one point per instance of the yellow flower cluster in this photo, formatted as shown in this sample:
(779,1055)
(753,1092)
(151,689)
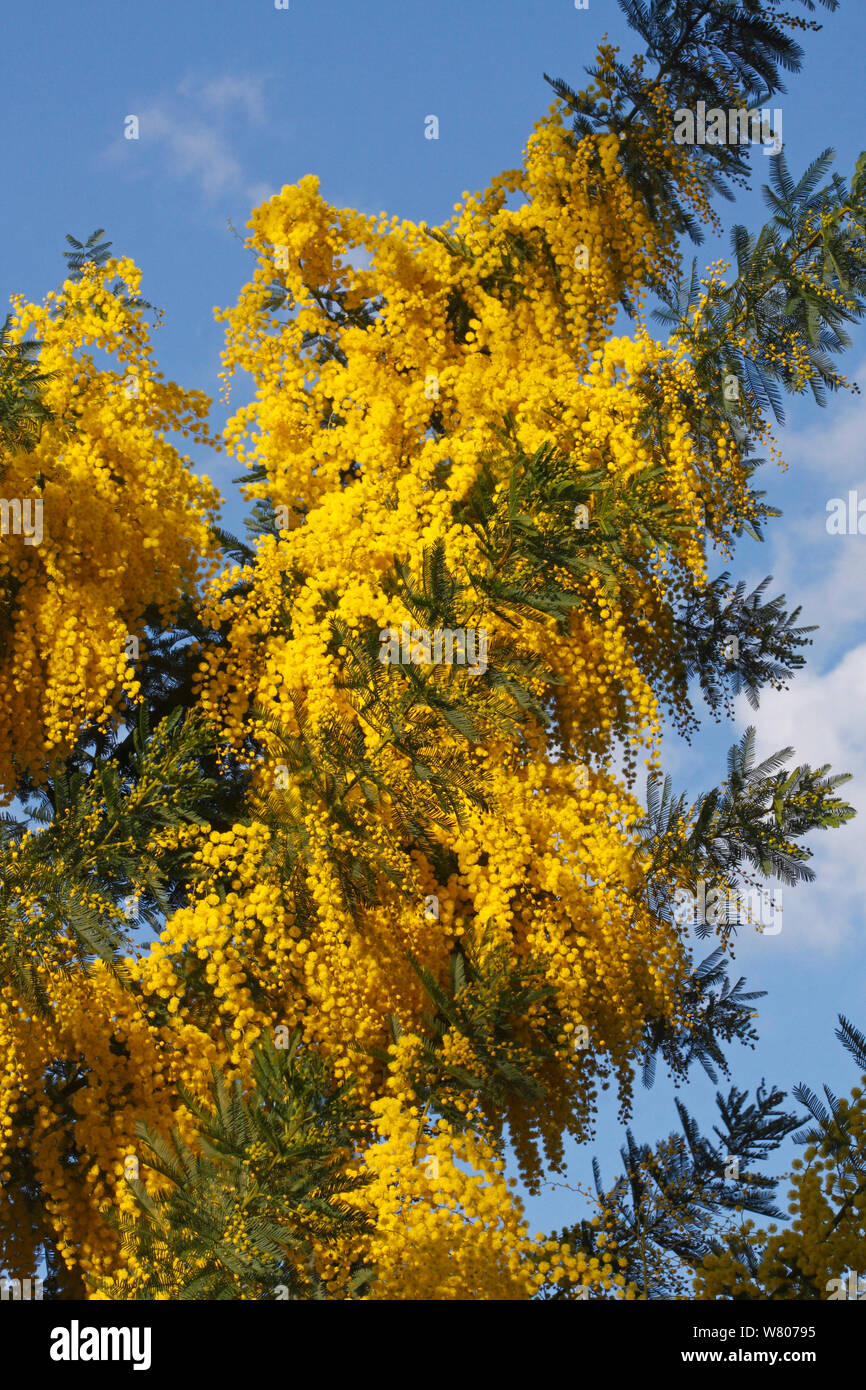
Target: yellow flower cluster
(127,1077)
(824,1245)
(370,442)
(447,1225)
(117,521)
(380,401)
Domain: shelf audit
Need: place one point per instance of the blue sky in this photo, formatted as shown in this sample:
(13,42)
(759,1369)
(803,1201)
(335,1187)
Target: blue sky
(235,99)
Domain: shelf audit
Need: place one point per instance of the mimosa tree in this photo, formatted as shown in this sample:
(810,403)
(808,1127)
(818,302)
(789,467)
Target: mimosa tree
(374,784)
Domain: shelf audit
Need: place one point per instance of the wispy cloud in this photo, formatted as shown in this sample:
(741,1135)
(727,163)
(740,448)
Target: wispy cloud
(225,93)
(835,439)
(823,572)
(821,718)
(821,715)
(192,133)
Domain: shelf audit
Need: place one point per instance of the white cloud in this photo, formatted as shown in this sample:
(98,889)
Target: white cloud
(193,130)
(821,714)
(820,572)
(194,148)
(225,92)
(835,441)
(821,718)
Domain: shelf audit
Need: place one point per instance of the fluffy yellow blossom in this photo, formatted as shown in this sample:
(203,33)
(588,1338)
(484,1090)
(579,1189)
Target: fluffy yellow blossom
(113,522)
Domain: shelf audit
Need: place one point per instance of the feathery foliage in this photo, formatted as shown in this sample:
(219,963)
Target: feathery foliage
(267,1180)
